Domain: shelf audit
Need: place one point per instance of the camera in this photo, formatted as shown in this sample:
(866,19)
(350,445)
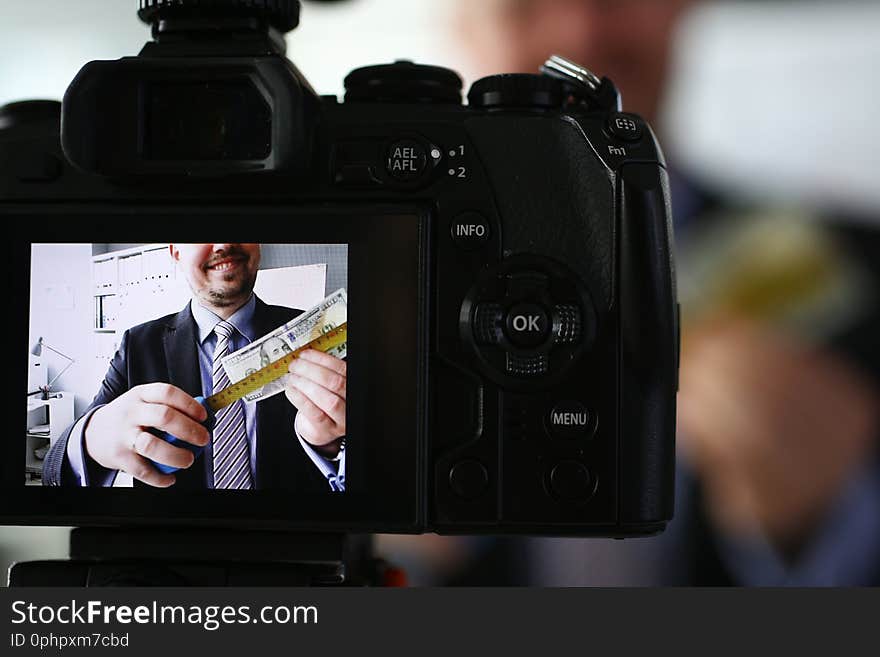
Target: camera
(512,326)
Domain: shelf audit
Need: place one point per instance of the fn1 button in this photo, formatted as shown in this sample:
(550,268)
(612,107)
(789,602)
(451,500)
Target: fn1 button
(625,126)
(527,325)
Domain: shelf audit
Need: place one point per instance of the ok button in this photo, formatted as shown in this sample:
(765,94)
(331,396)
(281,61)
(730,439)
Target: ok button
(527,325)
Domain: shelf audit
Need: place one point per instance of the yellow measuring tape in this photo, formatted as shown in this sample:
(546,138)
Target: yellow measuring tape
(276,370)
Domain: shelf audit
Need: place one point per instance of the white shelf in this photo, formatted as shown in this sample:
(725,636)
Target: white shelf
(145,287)
(56,413)
(34,403)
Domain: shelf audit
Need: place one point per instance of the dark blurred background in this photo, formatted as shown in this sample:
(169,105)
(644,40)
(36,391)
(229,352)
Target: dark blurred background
(766,110)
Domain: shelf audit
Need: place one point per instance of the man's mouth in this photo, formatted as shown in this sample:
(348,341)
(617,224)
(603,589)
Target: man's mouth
(225,265)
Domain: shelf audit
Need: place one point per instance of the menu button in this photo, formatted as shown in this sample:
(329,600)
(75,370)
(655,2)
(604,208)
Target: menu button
(570,419)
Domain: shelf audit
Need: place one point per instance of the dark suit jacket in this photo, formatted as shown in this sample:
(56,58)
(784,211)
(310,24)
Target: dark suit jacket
(166,350)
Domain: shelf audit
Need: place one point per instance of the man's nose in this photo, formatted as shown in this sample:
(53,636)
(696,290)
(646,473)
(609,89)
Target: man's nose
(221,247)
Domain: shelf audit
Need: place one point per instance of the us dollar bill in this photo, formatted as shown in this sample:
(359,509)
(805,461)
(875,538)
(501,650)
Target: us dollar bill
(323,318)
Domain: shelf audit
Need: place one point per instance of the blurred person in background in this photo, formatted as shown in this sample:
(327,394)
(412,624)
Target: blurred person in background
(778,424)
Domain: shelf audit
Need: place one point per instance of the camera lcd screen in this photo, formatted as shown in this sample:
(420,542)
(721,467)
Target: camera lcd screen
(306,354)
(134,331)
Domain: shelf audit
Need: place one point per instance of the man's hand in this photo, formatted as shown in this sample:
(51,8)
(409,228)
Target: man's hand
(116,435)
(316,386)
(773,427)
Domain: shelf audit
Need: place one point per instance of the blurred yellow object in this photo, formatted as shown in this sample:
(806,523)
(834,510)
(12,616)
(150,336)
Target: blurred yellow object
(780,268)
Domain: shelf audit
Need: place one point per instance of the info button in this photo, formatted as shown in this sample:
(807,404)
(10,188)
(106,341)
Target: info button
(470,230)
(570,419)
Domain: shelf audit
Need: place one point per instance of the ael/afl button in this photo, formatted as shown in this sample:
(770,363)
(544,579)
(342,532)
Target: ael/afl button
(407,160)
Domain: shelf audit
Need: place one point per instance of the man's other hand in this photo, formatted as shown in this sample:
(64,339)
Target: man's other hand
(316,385)
(117,435)
(773,427)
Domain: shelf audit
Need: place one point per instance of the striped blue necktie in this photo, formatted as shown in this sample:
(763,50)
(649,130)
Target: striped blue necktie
(232,465)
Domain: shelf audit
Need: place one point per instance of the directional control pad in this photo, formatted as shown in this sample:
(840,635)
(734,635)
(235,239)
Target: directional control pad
(527,320)
(527,365)
(568,324)
(488,319)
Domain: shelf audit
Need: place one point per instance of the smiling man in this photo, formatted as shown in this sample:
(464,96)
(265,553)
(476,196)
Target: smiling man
(221,276)
(291,441)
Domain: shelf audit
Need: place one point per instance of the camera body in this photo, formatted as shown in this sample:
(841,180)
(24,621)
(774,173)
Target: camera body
(513,318)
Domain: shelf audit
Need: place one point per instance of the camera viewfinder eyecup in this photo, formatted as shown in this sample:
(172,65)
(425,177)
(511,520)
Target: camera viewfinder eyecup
(212,95)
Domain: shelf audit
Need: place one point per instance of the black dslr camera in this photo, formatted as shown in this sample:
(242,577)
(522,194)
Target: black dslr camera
(512,321)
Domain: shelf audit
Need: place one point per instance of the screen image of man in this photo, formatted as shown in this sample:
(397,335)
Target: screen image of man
(291,441)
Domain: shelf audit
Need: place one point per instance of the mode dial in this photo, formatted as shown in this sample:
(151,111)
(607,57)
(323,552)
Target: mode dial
(283,15)
(516,90)
(29,111)
(403,82)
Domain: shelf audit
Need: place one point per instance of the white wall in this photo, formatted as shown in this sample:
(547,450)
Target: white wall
(780,99)
(335,38)
(62,312)
(45,42)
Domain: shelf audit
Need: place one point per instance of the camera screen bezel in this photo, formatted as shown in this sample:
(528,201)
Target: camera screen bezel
(388,262)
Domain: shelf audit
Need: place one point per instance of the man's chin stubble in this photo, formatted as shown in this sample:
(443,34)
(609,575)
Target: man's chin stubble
(224,299)
(220,300)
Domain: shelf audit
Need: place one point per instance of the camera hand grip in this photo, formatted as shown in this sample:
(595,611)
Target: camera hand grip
(177,442)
